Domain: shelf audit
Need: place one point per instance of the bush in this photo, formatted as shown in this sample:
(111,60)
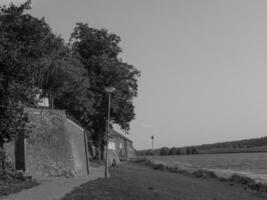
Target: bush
(6,169)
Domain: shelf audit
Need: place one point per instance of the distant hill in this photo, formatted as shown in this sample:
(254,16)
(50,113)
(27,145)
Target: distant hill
(247,145)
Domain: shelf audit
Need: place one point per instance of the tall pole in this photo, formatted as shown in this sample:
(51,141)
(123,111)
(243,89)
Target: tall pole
(108,90)
(106,164)
(152,138)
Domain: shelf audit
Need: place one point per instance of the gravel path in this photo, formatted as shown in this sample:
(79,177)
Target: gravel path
(54,188)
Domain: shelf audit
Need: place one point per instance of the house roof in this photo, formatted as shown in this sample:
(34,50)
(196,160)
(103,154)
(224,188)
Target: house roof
(115,133)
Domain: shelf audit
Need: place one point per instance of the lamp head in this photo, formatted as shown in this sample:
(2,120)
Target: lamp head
(109,90)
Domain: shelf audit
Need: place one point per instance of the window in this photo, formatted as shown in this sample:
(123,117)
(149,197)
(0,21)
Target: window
(111,145)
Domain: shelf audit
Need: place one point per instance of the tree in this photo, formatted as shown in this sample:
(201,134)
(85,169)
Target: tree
(164,151)
(98,51)
(178,152)
(191,150)
(72,92)
(188,151)
(173,151)
(21,53)
(33,58)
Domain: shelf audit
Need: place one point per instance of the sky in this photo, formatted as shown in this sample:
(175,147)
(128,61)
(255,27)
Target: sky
(203,63)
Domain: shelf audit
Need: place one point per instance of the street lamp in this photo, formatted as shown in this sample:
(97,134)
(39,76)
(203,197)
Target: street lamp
(109,91)
(152,138)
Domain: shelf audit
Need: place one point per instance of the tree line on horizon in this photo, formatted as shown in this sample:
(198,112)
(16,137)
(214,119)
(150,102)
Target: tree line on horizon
(240,146)
(164,151)
(35,61)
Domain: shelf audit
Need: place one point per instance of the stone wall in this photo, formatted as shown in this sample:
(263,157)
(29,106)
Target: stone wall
(78,140)
(48,149)
(55,147)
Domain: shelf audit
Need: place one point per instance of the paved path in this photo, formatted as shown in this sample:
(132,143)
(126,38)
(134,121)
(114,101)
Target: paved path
(54,188)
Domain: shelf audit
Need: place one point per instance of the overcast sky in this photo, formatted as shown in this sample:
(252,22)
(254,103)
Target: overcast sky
(203,63)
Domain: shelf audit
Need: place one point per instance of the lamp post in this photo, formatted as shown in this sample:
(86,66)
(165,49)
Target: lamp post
(152,138)
(109,91)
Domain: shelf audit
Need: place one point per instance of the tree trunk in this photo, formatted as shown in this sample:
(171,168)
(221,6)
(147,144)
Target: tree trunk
(51,99)
(102,151)
(98,152)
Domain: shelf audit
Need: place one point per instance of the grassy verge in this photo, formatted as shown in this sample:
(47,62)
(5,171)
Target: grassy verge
(15,185)
(97,163)
(203,173)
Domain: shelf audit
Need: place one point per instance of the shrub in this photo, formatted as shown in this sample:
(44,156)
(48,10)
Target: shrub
(6,168)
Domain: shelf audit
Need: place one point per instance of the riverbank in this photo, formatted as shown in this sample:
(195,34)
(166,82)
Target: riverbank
(135,181)
(220,167)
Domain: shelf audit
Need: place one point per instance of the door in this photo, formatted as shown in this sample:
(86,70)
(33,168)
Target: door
(20,154)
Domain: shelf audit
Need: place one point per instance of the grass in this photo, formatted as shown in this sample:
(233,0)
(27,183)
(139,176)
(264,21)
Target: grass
(15,185)
(132,181)
(203,173)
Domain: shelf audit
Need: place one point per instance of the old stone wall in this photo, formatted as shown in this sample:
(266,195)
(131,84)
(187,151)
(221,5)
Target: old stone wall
(78,146)
(48,149)
(56,146)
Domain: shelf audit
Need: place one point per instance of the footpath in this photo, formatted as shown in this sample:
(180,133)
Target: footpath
(54,188)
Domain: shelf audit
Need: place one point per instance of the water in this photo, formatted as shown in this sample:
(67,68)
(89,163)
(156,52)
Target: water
(253,165)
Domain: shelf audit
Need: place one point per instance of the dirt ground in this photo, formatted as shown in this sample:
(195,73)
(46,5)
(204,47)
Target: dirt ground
(135,182)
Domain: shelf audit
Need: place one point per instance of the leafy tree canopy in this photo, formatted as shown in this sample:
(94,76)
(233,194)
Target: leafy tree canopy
(74,76)
(21,41)
(98,51)
(33,58)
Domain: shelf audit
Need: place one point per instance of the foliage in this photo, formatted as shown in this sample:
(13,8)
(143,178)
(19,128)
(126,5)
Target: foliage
(98,51)
(173,151)
(191,150)
(73,76)
(248,145)
(64,79)
(21,42)
(164,151)
(240,144)
(13,121)
(33,58)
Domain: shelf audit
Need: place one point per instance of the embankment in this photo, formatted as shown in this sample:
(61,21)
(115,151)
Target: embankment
(233,177)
